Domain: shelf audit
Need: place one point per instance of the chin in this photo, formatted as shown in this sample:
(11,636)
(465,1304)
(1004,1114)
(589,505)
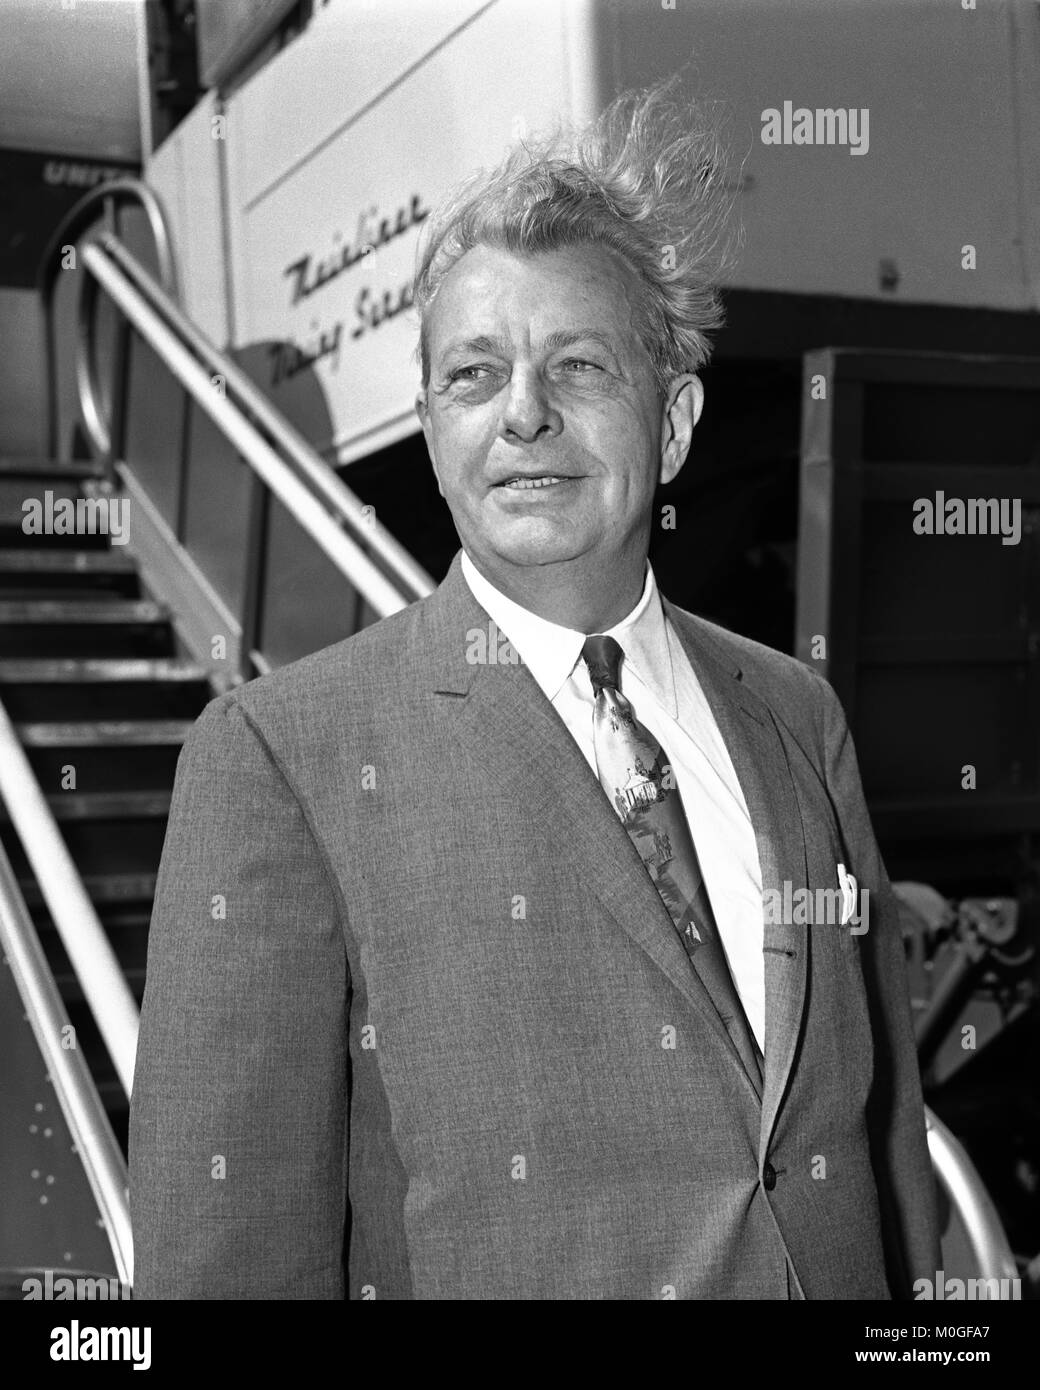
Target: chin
(536,546)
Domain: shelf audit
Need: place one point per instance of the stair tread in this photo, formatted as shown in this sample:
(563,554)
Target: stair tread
(131,668)
(13,514)
(101,888)
(81,611)
(115,917)
(113,1097)
(86,734)
(108,805)
(69,985)
(33,466)
(119,917)
(53,561)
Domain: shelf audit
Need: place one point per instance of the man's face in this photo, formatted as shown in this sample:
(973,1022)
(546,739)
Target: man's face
(537,373)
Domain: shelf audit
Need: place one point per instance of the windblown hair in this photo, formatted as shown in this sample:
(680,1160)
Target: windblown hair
(646,179)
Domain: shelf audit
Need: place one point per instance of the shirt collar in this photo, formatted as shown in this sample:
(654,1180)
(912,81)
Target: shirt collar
(551,652)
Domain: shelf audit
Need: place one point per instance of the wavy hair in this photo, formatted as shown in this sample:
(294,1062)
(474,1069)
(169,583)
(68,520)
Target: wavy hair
(647,179)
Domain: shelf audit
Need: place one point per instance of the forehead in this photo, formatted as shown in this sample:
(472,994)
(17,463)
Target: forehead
(490,292)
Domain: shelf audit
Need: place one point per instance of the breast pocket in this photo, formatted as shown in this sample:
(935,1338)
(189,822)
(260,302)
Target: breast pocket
(824,846)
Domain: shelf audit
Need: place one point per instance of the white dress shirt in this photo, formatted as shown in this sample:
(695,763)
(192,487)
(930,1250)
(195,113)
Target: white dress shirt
(660,684)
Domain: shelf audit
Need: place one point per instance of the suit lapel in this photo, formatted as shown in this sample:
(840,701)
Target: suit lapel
(755,745)
(502,721)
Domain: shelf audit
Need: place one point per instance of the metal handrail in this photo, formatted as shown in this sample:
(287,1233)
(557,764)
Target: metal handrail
(324,528)
(961,1183)
(79,217)
(238,385)
(88,948)
(86,944)
(134,291)
(84,1113)
(244,416)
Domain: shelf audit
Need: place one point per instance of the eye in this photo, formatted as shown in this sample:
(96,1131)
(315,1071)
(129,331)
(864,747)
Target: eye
(579,364)
(468,373)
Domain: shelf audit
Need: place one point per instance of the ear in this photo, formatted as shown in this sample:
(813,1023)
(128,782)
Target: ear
(422,409)
(680,412)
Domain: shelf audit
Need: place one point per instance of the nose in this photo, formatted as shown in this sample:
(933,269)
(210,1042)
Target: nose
(527,411)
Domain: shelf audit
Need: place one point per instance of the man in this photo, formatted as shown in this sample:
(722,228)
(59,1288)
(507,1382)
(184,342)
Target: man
(461,965)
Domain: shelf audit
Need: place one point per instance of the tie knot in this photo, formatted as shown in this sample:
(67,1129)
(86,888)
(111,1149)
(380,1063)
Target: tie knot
(603,657)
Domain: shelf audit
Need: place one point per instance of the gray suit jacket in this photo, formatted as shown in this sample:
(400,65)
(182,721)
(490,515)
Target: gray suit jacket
(417,1023)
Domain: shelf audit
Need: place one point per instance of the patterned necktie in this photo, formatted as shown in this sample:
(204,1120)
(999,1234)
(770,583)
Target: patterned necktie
(637,777)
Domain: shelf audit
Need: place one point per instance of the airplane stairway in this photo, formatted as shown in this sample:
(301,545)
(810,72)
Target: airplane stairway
(101,698)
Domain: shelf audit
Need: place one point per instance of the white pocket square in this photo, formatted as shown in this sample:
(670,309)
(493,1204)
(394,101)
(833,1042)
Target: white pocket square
(848,894)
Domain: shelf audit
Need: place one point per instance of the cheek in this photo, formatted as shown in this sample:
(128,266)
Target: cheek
(623,438)
(459,442)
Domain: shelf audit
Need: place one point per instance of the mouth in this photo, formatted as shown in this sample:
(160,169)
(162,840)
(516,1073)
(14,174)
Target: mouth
(544,480)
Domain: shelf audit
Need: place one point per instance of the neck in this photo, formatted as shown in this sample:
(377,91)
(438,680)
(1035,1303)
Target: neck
(582,594)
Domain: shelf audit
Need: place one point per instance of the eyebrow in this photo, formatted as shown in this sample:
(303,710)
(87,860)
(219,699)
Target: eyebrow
(479,344)
(568,337)
(562,338)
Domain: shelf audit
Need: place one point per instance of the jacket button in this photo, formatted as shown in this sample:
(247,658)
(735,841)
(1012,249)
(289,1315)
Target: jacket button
(769,1177)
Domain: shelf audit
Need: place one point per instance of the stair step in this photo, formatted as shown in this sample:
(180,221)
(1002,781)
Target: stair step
(72,991)
(113,1098)
(123,923)
(79,570)
(12,537)
(106,689)
(104,890)
(65,562)
(134,733)
(34,467)
(107,805)
(131,950)
(74,574)
(84,672)
(108,755)
(96,628)
(119,917)
(103,840)
(14,492)
(89,612)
